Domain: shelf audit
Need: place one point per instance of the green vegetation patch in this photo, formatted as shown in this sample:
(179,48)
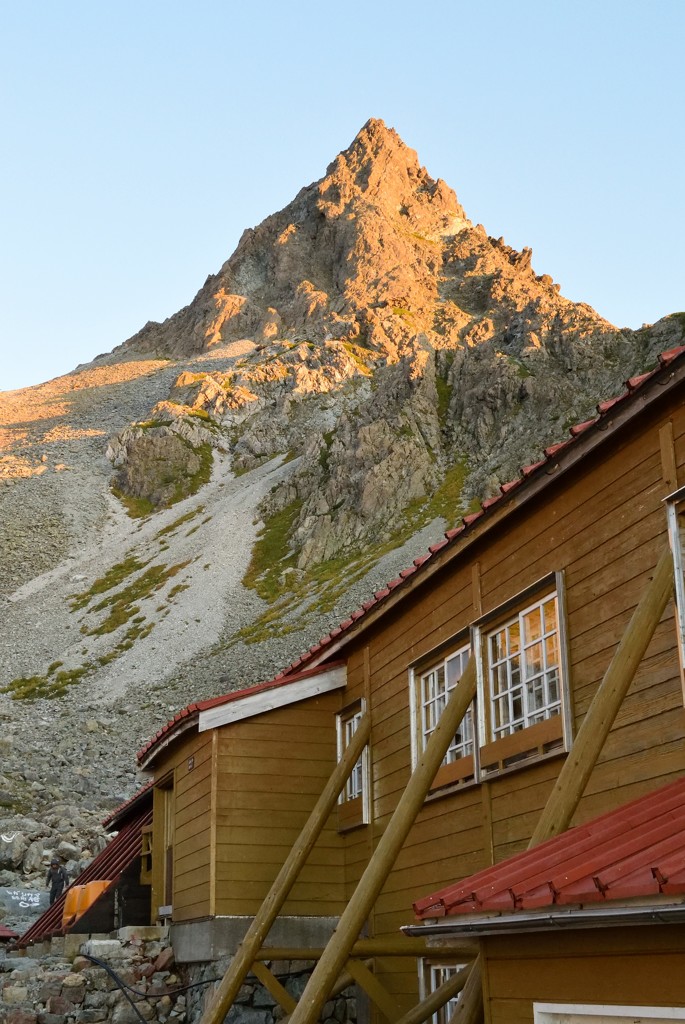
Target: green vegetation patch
(272,553)
(444,391)
(320,587)
(679,317)
(192,484)
(112,578)
(325,450)
(179,522)
(49,686)
(122,604)
(137,508)
(358,354)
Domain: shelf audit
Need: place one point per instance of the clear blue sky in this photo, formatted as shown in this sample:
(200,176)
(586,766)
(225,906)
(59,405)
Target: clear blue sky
(140,138)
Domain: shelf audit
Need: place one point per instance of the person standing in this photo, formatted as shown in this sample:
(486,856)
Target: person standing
(56,879)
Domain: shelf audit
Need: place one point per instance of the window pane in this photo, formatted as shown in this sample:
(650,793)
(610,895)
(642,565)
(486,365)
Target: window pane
(523,673)
(514,633)
(435,687)
(532,624)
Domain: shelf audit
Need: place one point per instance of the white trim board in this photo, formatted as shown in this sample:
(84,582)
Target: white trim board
(276,697)
(587,1013)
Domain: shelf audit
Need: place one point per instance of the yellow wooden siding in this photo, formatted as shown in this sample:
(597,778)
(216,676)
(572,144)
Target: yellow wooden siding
(270,772)
(624,967)
(192,813)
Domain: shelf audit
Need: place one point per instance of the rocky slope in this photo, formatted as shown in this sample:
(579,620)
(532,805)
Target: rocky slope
(364,365)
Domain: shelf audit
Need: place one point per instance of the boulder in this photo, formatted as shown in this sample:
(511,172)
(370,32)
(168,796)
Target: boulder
(13,846)
(33,858)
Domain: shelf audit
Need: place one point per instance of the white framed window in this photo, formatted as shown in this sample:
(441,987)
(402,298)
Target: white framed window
(675,513)
(354,787)
(431,685)
(523,663)
(524,710)
(431,976)
(354,801)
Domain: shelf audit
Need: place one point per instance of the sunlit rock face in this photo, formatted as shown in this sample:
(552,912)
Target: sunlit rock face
(391,339)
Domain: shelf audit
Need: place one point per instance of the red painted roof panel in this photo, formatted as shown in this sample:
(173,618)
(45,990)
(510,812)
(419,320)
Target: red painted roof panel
(109,865)
(635,850)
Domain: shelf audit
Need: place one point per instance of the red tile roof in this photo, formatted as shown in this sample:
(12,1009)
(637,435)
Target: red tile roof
(635,850)
(109,865)
(633,386)
(7,933)
(124,810)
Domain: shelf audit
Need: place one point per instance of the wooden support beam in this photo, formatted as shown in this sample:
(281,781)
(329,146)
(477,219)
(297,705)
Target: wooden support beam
(268,912)
(273,985)
(376,992)
(384,946)
(575,773)
(577,768)
(424,1010)
(410,803)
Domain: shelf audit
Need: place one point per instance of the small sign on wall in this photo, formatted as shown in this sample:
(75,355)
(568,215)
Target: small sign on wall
(191,763)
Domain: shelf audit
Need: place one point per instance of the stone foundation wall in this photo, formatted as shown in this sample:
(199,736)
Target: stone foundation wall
(55,983)
(58,985)
(254,1004)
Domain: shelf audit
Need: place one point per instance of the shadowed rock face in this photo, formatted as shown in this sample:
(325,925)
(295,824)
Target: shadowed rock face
(392,339)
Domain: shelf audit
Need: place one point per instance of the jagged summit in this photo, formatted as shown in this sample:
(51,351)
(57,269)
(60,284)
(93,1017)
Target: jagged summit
(363,366)
(362,236)
(380,168)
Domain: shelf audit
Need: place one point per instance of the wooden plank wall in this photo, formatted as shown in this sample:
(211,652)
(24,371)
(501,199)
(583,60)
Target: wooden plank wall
(192,826)
(270,771)
(605,529)
(622,966)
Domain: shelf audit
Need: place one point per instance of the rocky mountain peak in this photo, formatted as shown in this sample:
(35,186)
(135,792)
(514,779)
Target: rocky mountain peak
(362,237)
(379,169)
(362,368)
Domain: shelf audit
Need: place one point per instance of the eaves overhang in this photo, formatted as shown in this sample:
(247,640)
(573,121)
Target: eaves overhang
(552,920)
(244,703)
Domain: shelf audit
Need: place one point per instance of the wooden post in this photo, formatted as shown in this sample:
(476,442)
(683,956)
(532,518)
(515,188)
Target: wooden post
(575,773)
(278,893)
(353,917)
(437,999)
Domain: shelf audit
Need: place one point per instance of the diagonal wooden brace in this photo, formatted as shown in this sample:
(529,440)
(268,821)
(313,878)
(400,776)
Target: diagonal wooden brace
(273,986)
(374,990)
(424,1010)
